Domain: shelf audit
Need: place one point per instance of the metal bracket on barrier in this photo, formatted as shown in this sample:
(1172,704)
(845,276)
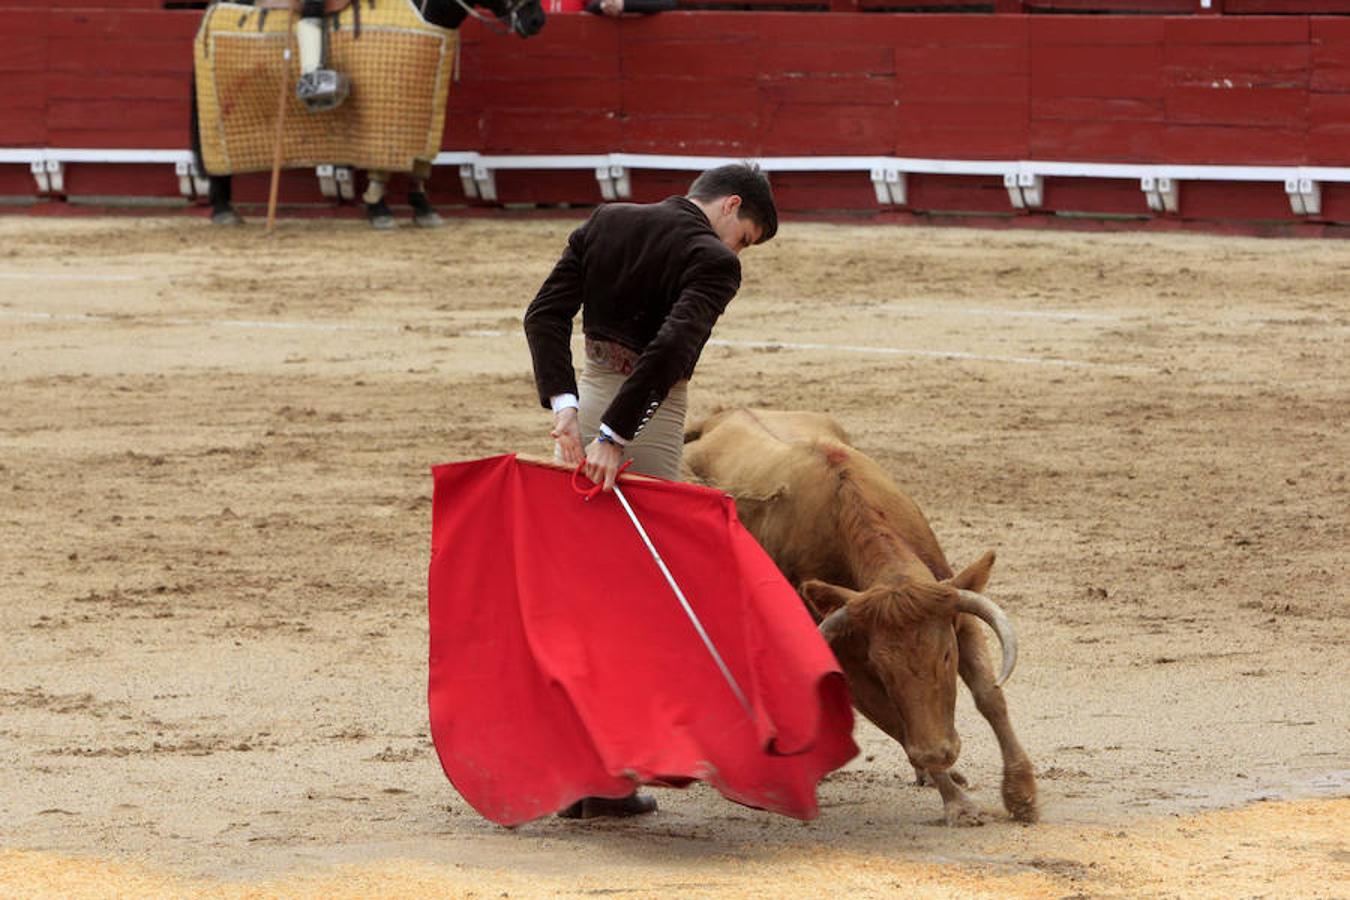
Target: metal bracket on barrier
(346,182)
(50,175)
(466,182)
(200,182)
(327,180)
(186,183)
(890,187)
(1161,193)
(1025,190)
(56,176)
(1305,196)
(485,182)
(615,183)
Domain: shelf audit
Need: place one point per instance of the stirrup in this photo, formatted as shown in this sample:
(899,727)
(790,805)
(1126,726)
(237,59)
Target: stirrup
(323,89)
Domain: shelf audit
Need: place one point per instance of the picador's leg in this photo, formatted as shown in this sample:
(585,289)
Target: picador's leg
(319,87)
(977,671)
(423,214)
(377,208)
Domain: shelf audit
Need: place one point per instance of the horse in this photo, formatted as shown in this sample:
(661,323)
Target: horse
(228,91)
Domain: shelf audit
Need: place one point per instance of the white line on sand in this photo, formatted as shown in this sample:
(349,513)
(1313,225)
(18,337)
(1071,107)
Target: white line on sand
(69,276)
(210,323)
(1062,315)
(493,333)
(927,354)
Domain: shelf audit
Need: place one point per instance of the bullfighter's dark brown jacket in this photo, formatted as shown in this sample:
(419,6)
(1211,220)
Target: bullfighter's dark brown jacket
(652,278)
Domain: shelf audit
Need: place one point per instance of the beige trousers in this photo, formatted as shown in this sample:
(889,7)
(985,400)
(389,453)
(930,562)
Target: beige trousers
(659,447)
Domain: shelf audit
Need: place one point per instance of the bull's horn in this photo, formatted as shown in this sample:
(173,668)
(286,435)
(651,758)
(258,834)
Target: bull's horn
(983,608)
(834,624)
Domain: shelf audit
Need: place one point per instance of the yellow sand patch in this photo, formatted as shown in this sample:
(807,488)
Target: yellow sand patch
(1276,849)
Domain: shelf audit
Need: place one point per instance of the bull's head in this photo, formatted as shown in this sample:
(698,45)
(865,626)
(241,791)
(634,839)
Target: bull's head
(897,644)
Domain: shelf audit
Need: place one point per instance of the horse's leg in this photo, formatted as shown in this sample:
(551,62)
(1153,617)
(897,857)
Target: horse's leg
(423,212)
(977,671)
(220,187)
(377,208)
(221,195)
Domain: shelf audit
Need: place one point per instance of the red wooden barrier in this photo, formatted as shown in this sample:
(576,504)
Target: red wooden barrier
(1239,90)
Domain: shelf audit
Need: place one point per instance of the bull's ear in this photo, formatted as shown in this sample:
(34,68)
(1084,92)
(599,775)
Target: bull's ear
(823,598)
(976,575)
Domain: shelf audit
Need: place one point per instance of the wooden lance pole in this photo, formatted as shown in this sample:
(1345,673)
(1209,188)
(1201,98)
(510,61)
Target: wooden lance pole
(281,123)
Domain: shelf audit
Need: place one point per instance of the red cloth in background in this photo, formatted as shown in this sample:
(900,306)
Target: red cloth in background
(563,666)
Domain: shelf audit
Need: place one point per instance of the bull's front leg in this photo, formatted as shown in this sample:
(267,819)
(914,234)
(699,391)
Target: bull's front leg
(869,696)
(977,671)
(957,807)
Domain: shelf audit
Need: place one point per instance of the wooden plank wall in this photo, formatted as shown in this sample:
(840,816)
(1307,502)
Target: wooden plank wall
(1243,90)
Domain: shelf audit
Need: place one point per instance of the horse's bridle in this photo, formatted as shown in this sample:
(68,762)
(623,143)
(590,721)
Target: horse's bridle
(512,15)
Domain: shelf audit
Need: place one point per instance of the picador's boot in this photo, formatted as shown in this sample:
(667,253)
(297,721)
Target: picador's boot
(423,213)
(634,804)
(319,88)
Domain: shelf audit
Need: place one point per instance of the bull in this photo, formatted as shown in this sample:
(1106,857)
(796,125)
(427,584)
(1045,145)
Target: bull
(868,566)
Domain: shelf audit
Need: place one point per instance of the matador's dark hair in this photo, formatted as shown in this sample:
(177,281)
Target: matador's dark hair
(746,181)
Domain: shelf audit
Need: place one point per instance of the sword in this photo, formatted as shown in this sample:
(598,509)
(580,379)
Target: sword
(688,610)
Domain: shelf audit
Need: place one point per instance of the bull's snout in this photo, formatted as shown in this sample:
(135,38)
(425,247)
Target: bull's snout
(938,758)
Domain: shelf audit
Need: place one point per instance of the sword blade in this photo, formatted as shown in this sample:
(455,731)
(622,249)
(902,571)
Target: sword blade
(688,610)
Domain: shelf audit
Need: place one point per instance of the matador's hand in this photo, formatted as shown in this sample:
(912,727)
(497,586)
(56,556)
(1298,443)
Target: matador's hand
(602,462)
(567,433)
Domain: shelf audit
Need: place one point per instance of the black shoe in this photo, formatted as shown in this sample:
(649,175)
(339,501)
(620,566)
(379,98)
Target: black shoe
(381,216)
(634,804)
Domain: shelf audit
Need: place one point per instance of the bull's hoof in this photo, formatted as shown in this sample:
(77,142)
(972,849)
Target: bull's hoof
(1019,793)
(963,814)
(634,804)
(922,779)
(1021,803)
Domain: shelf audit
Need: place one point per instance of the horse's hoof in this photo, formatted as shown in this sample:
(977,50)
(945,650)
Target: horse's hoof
(424,216)
(381,216)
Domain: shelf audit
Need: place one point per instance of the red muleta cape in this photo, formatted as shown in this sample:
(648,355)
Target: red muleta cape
(563,666)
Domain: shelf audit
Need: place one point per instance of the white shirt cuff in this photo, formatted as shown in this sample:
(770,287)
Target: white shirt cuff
(614,435)
(559,402)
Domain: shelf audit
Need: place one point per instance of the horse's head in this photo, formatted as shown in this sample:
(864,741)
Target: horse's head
(526,17)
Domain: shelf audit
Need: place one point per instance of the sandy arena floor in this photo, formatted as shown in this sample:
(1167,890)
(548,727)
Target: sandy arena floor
(214,456)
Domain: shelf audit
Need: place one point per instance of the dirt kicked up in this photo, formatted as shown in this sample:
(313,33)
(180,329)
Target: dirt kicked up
(214,515)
